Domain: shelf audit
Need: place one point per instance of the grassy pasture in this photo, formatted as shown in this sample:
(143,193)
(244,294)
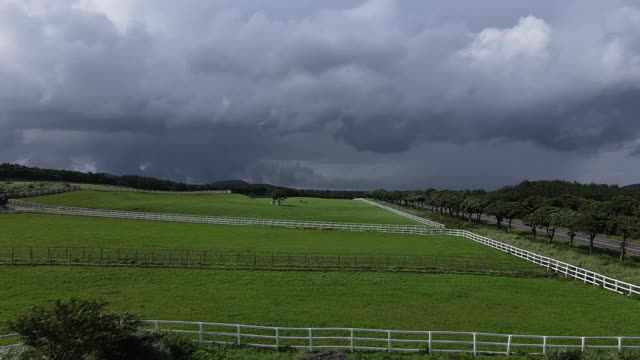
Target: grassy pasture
(234,205)
(371,300)
(43,230)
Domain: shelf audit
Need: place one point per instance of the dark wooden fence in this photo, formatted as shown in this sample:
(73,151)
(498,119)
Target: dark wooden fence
(247,260)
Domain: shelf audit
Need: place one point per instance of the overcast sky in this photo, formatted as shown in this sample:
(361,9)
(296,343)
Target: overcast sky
(325,94)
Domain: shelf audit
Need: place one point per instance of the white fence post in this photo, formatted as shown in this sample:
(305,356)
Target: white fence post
(509,345)
(544,345)
(430,342)
(200,332)
(389,346)
(475,344)
(620,344)
(352,347)
(238,340)
(310,340)
(277,338)
(583,344)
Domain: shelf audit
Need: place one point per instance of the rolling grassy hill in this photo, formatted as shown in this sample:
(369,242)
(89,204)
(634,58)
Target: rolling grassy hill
(43,230)
(233,205)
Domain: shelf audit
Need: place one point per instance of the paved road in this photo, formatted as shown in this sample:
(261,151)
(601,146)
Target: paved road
(599,242)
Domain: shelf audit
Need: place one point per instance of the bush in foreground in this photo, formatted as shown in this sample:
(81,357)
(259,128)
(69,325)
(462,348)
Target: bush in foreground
(85,329)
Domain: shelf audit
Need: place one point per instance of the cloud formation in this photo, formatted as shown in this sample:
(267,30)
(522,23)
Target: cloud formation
(340,94)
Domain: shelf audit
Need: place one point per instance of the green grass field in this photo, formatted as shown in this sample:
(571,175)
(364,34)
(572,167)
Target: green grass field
(369,300)
(228,205)
(43,230)
(280,298)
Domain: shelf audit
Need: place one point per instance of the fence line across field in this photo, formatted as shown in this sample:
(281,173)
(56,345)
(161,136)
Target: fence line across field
(43,192)
(358,339)
(405,214)
(221,220)
(355,339)
(578,273)
(115,188)
(247,260)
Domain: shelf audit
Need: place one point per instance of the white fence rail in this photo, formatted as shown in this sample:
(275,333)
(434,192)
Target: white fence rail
(43,192)
(406,341)
(355,339)
(569,270)
(407,215)
(389,228)
(578,273)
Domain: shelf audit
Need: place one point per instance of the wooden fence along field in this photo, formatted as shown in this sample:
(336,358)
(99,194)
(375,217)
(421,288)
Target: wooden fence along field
(578,273)
(247,260)
(354,339)
(43,192)
(404,341)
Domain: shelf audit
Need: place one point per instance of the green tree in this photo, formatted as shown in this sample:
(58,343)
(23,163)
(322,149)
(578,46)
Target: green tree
(499,210)
(626,226)
(593,220)
(568,219)
(532,203)
(623,205)
(544,217)
(513,210)
(566,201)
(472,205)
(278,196)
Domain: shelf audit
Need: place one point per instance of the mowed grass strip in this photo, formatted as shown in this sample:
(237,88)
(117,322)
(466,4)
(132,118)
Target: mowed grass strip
(233,205)
(368,300)
(44,230)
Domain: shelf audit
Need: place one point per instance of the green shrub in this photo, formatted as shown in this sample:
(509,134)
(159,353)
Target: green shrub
(77,329)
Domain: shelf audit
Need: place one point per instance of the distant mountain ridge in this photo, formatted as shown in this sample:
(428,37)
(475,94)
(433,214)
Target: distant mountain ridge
(231,182)
(633,186)
(20,172)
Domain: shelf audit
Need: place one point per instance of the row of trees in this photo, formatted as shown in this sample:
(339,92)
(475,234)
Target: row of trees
(608,211)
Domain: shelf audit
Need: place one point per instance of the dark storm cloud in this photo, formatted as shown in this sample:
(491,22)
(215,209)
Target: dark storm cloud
(323,94)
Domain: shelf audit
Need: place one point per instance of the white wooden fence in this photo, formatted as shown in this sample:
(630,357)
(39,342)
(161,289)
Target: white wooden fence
(220,220)
(406,341)
(355,339)
(43,192)
(407,215)
(587,276)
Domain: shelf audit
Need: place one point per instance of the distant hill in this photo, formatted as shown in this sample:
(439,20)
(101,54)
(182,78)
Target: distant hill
(231,182)
(21,172)
(633,186)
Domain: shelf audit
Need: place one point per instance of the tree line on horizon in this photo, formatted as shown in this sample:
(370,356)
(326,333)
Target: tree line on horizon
(21,172)
(592,209)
